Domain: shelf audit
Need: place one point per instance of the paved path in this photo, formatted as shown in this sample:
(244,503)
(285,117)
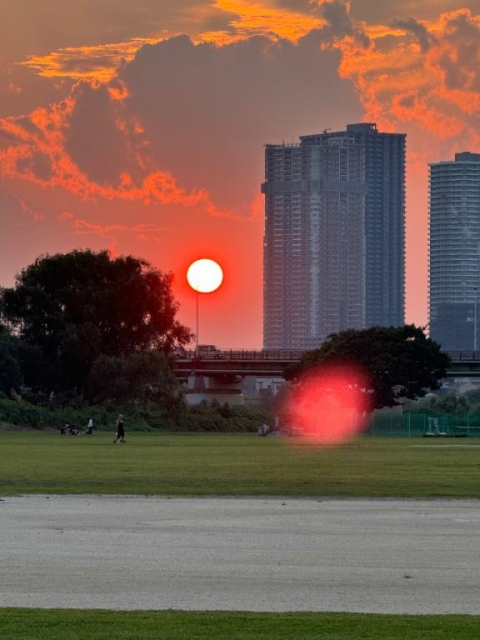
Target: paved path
(241,554)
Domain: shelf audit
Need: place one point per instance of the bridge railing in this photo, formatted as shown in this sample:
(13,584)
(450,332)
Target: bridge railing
(242,354)
(284,355)
(464,355)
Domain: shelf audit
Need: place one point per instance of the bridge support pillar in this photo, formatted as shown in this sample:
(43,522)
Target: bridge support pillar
(223,388)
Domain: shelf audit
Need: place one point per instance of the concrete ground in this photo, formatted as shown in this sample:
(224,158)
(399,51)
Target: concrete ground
(263,554)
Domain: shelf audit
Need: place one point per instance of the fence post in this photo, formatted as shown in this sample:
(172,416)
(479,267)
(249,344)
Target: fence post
(409,425)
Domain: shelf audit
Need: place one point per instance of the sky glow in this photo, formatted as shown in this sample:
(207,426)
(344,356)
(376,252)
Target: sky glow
(139,127)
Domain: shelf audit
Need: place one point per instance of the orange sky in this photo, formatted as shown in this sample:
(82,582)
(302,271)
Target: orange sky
(139,127)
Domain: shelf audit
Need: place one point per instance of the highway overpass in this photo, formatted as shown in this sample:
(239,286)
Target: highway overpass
(272,363)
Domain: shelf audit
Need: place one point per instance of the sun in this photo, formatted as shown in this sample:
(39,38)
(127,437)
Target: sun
(205,275)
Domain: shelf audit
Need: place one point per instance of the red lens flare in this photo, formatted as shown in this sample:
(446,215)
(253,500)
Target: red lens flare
(330,405)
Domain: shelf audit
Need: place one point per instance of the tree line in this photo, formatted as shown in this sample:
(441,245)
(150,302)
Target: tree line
(85,328)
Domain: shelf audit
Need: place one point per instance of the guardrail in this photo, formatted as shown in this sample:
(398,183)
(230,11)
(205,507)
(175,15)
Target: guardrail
(470,356)
(272,355)
(286,354)
(272,362)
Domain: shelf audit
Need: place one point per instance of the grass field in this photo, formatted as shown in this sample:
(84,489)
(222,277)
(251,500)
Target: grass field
(34,624)
(219,464)
(223,464)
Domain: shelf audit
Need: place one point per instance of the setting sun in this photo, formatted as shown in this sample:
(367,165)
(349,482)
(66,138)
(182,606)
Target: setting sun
(204,275)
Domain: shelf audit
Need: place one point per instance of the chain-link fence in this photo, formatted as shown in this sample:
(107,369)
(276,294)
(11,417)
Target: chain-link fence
(410,425)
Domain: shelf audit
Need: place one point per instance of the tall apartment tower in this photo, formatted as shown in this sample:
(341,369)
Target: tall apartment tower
(334,235)
(455,252)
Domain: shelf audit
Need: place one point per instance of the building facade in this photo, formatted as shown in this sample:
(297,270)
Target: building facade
(334,235)
(454,267)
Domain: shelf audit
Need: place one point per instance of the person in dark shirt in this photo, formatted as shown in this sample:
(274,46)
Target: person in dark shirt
(120,428)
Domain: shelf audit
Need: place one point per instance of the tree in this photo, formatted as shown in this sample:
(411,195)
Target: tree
(78,306)
(137,377)
(10,370)
(399,362)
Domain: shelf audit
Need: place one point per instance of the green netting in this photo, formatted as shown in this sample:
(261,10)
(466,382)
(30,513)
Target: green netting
(410,425)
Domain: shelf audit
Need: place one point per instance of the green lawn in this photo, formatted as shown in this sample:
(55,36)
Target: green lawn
(35,624)
(224,464)
(219,464)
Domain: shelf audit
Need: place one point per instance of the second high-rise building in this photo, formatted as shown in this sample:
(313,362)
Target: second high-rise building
(334,240)
(455,252)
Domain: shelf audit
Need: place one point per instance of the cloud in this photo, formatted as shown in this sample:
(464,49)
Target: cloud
(207,110)
(221,100)
(340,24)
(459,54)
(43,149)
(423,37)
(111,233)
(432,90)
(266,18)
(181,124)
(144,140)
(98,62)
(375,12)
(38,28)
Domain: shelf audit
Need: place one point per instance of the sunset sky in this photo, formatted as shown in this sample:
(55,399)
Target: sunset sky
(138,125)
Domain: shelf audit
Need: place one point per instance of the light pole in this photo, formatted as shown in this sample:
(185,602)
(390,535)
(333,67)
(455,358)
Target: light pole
(204,276)
(197,331)
(475,320)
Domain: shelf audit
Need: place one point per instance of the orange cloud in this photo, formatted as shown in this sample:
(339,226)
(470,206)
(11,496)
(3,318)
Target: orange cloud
(34,149)
(86,63)
(82,227)
(100,63)
(111,232)
(425,75)
(264,18)
(410,75)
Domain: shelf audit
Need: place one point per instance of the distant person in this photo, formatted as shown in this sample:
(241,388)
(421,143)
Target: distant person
(120,428)
(89,430)
(264,430)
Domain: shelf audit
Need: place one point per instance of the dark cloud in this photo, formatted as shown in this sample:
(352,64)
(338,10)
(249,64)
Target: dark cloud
(376,12)
(22,90)
(37,27)
(461,61)
(340,24)
(418,30)
(38,165)
(208,110)
(305,6)
(337,16)
(94,140)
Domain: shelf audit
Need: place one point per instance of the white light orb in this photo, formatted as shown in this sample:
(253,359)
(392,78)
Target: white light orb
(205,275)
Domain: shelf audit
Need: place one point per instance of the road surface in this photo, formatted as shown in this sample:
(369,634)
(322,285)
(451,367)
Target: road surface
(251,554)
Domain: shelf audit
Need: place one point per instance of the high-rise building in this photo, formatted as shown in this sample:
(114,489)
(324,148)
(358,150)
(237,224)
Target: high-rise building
(455,252)
(334,235)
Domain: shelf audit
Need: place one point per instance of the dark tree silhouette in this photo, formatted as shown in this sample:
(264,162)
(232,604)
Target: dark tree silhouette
(400,362)
(78,306)
(10,369)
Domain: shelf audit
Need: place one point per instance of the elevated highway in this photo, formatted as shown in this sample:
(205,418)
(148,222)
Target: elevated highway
(272,363)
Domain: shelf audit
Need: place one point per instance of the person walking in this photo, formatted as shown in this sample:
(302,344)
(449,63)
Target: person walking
(89,430)
(120,429)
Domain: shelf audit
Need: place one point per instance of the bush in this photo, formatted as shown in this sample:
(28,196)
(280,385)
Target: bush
(224,418)
(204,417)
(27,414)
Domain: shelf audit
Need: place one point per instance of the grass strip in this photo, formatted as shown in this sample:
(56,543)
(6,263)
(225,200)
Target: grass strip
(36,624)
(225,464)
